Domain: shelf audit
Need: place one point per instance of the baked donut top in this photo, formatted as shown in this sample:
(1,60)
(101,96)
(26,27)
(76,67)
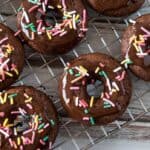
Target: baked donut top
(138,51)
(50,17)
(8,68)
(23,123)
(79,75)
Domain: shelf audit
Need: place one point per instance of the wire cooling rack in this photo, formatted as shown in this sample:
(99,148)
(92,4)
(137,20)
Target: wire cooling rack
(43,72)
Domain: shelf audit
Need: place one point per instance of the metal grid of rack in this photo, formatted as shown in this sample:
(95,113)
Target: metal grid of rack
(43,72)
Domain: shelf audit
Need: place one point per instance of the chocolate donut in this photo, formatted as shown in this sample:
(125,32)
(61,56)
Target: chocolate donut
(52,26)
(87,73)
(28,119)
(116,7)
(11,57)
(136,47)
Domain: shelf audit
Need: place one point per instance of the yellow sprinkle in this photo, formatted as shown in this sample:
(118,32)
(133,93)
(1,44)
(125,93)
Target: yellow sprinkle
(59,6)
(36,118)
(83,70)
(40,131)
(1,99)
(91,101)
(97,70)
(11,101)
(16,71)
(28,100)
(114,91)
(18,141)
(136,47)
(49,35)
(132,38)
(15,146)
(70,25)
(5,122)
(76,79)
(9,74)
(9,125)
(77,17)
(5,97)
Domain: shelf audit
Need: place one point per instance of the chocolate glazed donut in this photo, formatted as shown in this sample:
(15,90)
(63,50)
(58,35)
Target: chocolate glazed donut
(116,7)
(52,26)
(136,47)
(95,108)
(28,119)
(11,57)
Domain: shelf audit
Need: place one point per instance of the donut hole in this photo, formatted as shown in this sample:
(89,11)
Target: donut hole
(51,17)
(21,123)
(95,88)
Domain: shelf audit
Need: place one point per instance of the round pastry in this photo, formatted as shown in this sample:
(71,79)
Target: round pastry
(95,89)
(28,119)
(11,57)
(52,26)
(116,7)
(136,47)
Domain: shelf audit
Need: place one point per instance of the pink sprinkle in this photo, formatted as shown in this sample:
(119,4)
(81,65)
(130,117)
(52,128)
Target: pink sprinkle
(83,103)
(29,106)
(74,88)
(47,125)
(33,8)
(3,40)
(122,76)
(50,145)
(27,131)
(42,142)
(107,95)
(85,118)
(2,114)
(101,65)
(63,33)
(10,141)
(41,11)
(84,18)
(64,5)
(145,30)
(46,2)
(83,82)
(33,137)
(15,112)
(17,33)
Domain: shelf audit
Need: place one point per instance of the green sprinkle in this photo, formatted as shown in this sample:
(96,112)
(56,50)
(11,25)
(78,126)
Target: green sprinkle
(45,138)
(78,75)
(52,122)
(86,111)
(41,126)
(19,9)
(92,121)
(33,1)
(12,95)
(31,26)
(71,71)
(107,105)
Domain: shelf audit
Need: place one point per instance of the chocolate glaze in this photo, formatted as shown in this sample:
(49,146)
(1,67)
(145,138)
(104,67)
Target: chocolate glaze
(57,44)
(139,67)
(16,56)
(42,106)
(100,114)
(116,7)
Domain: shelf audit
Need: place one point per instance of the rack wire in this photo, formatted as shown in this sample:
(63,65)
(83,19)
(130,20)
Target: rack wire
(42,72)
